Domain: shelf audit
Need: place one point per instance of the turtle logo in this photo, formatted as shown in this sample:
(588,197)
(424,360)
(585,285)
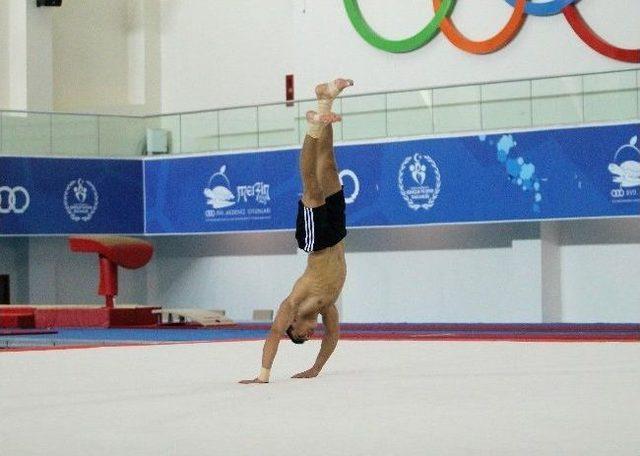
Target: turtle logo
(218,191)
(625,170)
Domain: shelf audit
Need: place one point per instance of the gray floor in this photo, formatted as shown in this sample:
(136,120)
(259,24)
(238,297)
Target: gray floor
(375,398)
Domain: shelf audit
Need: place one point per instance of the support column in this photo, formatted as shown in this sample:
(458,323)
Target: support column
(551,268)
(27,55)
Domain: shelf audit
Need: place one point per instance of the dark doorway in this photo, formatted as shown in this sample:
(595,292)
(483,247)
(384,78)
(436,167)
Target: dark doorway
(5,296)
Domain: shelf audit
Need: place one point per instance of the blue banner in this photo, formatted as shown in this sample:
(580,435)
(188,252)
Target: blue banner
(525,176)
(224,193)
(520,176)
(70,196)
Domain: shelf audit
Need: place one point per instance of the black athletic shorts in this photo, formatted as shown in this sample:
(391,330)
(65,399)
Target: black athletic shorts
(323,226)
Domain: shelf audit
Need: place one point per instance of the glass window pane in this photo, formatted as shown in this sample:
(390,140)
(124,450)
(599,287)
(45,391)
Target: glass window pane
(74,135)
(410,113)
(610,96)
(26,133)
(278,125)
(557,101)
(200,132)
(238,128)
(122,136)
(506,105)
(456,109)
(364,117)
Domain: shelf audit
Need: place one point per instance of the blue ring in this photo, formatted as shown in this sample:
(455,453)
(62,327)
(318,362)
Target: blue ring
(549,8)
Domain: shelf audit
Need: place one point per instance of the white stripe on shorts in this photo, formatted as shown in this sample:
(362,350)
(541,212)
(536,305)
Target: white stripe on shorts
(309,229)
(313,231)
(306,230)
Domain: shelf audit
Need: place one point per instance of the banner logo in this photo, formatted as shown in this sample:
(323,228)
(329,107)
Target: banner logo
(356,185)
(251,201)
(80,200)
(14,200)
(625,170)
(218,193)
(442,21)
(416,174)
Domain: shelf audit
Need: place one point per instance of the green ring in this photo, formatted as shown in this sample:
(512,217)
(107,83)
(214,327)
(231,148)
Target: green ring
(406,45)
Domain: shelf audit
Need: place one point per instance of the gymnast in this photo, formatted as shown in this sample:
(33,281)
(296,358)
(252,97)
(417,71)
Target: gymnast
(320,230)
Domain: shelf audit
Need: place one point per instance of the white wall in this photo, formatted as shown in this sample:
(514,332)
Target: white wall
(600,270)
(544,46)
(143,56)
(483,273)
(238,273)
(465,273)
(90,52)
(4,54)
(106,56)
(217,53)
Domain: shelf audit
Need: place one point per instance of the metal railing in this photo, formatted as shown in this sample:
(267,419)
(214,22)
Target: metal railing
(509,104)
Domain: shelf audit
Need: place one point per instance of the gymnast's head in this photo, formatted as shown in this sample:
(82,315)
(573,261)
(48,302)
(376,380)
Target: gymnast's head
(302,329)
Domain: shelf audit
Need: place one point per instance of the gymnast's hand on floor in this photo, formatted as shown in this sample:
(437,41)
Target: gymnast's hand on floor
(310,373)
(249,382)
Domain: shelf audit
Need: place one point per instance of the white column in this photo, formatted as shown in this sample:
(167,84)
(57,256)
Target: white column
(39,59)
(538,268)
(143,45)
(527,272)
(26,55)
(17,54)
(551,272)
(4,55)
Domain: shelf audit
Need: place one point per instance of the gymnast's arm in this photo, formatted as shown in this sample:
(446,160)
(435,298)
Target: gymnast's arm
(331,323)
(283,319)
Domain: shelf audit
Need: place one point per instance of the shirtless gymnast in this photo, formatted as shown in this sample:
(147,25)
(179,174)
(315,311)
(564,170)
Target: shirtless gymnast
(320,231)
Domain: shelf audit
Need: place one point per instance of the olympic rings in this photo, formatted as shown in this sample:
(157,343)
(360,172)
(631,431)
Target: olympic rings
(498,41)
(11,203)
(441,20)
(406,45)
(549,8)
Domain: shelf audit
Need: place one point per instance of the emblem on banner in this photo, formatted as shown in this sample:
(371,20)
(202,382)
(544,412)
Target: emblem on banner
(251,198)
(81,200)
(347,173)
(419,181)
(625,170)
(218,192)
(14,200)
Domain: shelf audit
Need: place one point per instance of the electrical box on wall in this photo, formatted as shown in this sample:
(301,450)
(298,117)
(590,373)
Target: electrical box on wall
(289,90)
(49,3)
(157,141)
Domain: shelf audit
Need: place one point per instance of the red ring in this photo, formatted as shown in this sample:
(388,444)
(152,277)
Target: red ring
(594,41)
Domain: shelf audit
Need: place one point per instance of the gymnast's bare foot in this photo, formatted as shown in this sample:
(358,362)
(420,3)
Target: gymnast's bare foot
(317,119)
(330,90)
